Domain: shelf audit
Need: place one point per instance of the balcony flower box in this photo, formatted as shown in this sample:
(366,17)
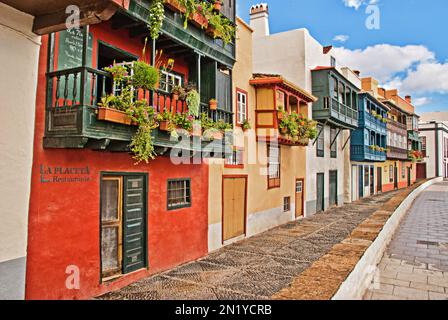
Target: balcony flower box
(112,115)
(199,20)
(175,6)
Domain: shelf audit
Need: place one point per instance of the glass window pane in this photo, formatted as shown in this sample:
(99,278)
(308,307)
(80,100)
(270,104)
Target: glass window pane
(109,200)
(109,249)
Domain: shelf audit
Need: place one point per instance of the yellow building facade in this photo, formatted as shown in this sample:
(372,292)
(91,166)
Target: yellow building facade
(262,185)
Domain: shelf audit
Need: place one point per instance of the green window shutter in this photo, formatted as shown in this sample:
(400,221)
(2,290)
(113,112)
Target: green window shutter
(134,224)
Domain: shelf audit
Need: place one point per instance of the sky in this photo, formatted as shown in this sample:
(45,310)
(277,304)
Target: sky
(407,50)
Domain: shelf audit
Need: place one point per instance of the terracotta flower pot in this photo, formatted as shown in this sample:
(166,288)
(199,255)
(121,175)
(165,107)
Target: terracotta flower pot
(112,115)
(279,115)
(217,5)
(175,6)
(213,105)
(163,125)
(199,20)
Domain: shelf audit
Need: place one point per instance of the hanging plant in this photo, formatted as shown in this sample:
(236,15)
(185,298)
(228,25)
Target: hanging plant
(142,145)
(156,17)
(193,102)
(145,76)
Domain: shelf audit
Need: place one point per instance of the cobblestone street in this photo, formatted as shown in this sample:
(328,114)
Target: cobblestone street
(259,267)
(416,263)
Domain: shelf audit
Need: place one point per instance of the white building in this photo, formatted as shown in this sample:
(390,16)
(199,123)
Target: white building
(433,129)
(294,54)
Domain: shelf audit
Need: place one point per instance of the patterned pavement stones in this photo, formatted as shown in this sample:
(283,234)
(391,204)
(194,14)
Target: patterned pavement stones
(415,265)
(306,259)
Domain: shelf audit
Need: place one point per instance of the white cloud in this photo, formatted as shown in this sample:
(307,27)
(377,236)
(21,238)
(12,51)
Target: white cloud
(419,102)
(383,61)
(358,3)
(429,76)
(341,38)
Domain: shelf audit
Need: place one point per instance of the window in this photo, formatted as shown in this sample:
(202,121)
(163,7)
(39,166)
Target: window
(286,204)
(273,166)
(280,100)
(424,146)
(341,93)
(334,147)
(335,88)
(168,80)
(179,194)
(366,177)
(333,62)
(320,145)
(299,186)
(111,226)
(241,97)
(403,170)
(235,159)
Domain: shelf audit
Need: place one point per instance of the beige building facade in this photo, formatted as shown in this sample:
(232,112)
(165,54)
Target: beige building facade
(247,196)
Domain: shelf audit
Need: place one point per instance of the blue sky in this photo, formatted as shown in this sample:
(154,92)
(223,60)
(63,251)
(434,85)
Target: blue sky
(410,48)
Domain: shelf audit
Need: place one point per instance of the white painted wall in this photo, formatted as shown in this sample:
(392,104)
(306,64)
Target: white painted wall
(430,159)
(18,80)
(293,54)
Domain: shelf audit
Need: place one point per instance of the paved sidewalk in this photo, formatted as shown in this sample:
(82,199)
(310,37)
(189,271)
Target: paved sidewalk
(415,265)
(259,267)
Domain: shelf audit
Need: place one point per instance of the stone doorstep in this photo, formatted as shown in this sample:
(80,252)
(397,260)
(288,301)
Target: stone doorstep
(322,280)
(309,288)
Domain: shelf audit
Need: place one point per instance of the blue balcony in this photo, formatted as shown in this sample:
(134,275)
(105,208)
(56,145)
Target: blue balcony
(369,121)
(364,153)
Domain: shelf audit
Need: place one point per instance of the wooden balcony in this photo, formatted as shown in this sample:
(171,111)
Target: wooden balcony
(72,114)
(365,153)
(395,153)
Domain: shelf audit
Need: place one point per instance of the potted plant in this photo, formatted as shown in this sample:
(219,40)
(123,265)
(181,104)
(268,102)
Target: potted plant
(165,119)
(178,93)
(217,5)
(213,104)
(145,76)
(220,27)
(245,125)
(183,121)
(175,5)
(193,100)
(198,17)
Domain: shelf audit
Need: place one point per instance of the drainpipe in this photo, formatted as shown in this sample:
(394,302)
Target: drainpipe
(436,131)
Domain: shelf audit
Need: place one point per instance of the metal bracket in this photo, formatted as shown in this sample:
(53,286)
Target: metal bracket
(320,132)
(335,138)
(348,139)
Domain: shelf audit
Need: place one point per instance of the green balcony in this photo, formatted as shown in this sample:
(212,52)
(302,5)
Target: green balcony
(338,99)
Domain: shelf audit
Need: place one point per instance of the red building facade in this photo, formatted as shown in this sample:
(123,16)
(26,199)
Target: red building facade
(98,221)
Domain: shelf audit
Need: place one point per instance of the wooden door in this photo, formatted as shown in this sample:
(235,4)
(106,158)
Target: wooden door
(134,224)
(320,194)
(379,183)
(372,181)
(111,226)
(395,177)
(409,177)
(234,207)
(361,181)
(333,188)
(300,198)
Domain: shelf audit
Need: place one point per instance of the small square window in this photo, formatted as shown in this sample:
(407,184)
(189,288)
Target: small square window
(235,159)
(286,204)
(242,106)
(179,194)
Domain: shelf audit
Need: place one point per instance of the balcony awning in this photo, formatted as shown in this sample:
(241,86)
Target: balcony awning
(50,15)
(260,79)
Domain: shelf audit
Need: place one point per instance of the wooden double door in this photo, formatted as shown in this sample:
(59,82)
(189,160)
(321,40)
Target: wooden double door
(234,207)
(123,224)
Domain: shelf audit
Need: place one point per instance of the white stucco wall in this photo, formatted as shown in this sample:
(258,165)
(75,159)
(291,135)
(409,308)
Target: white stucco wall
(430,159)
(18,80)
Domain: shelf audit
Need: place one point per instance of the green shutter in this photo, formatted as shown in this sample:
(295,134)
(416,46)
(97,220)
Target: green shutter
(134,224)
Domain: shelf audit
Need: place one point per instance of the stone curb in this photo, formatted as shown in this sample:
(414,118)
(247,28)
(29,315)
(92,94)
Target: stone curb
(345,272)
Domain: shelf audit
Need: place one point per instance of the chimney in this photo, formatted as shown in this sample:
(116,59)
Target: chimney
(408,99)
(259,20)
